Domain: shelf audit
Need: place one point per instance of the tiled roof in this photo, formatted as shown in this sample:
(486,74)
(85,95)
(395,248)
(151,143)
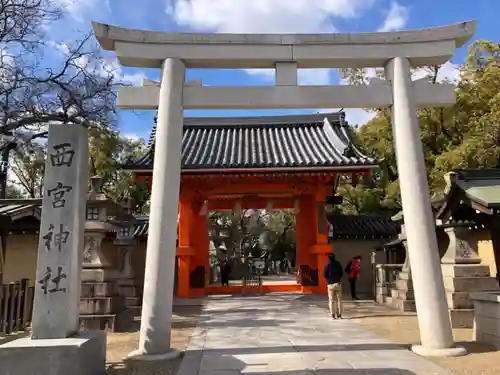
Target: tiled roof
(362,226)
(15,211)
(466,191)
(304,141)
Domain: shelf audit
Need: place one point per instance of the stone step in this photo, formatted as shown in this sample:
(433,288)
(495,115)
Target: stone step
(459,300)
(404,295)
(404,276)
(128,290)
(462,318)
(99,322)
(119,322)
(98,289)
(403,306)
(470,284)
(101,305)
(97,275)
(132,302)
(403,284)
(465,270)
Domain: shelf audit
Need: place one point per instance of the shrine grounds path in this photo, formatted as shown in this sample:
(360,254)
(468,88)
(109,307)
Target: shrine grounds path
(285,334)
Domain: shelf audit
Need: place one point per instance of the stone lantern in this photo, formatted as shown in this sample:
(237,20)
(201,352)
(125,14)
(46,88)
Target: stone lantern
(97,226)
(125,242)
(101,305)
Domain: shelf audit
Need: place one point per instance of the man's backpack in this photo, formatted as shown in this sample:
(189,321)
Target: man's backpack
(348,267)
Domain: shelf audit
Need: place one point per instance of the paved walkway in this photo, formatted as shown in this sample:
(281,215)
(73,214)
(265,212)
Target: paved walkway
(283,334)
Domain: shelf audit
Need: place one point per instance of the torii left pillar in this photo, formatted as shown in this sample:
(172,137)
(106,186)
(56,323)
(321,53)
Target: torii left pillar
(156,318)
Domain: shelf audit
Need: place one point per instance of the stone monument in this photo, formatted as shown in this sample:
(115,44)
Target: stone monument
(55,346)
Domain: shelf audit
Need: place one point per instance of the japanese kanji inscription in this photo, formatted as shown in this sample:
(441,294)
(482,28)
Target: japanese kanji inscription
(62,155)
(58,194)
(55,280)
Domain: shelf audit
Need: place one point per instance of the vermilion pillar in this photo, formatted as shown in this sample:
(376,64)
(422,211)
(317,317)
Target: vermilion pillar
(305,239)
(185,250)
(321,248)
(200,242)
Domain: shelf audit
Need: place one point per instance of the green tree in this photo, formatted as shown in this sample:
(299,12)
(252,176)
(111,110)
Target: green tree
(238,231)
(465,135)
(28,166)
(281,234)
(108,152)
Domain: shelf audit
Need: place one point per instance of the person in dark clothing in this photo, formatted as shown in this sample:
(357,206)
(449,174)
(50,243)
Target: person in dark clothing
(353,270)
(225,270)
(333,273)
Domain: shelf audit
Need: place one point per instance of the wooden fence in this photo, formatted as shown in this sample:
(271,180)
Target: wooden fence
(16,306)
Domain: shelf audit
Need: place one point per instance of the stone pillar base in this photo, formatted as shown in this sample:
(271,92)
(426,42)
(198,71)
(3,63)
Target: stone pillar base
(457,351)
(82,354)
(137,355)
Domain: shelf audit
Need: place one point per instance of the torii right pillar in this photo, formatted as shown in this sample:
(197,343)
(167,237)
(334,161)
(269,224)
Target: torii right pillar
(430,298)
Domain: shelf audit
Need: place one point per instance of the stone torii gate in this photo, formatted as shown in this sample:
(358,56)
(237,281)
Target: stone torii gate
(397,52)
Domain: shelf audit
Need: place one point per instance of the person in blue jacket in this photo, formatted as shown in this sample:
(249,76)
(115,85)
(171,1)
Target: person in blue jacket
(333,273)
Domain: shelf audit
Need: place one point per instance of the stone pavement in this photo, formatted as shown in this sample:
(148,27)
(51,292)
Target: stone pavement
(283,334)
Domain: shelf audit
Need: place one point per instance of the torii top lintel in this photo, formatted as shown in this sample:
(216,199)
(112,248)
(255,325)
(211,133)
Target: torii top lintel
(141,48)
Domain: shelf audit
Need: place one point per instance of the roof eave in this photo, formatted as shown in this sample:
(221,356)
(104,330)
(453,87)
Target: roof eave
(343,168)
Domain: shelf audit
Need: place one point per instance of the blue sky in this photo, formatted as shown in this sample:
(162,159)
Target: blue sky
(257,16)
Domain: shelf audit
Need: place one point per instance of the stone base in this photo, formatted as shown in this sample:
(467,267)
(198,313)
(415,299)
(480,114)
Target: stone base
(98,289)
(470,284)
(402,297)
(457,351)
(101,305)
(133,302)
(487,318)
(82,354)
(465,270)
(403,305)
(462,318)
(137,355)
(119,322)
(98,275)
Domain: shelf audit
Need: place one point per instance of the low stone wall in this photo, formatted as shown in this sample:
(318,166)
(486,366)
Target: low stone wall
(487,318)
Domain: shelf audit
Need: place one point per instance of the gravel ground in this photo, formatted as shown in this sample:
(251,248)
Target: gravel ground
(403,328)
(121,344)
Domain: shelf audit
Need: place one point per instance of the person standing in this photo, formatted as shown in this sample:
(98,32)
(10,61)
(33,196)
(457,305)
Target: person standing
(225,270)
(353,269)
(333,273)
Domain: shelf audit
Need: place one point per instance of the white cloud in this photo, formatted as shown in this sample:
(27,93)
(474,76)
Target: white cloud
(358,116)
(268,16)
(397,17)
(264,16)
(131,136)
(448,72)
(110,65)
